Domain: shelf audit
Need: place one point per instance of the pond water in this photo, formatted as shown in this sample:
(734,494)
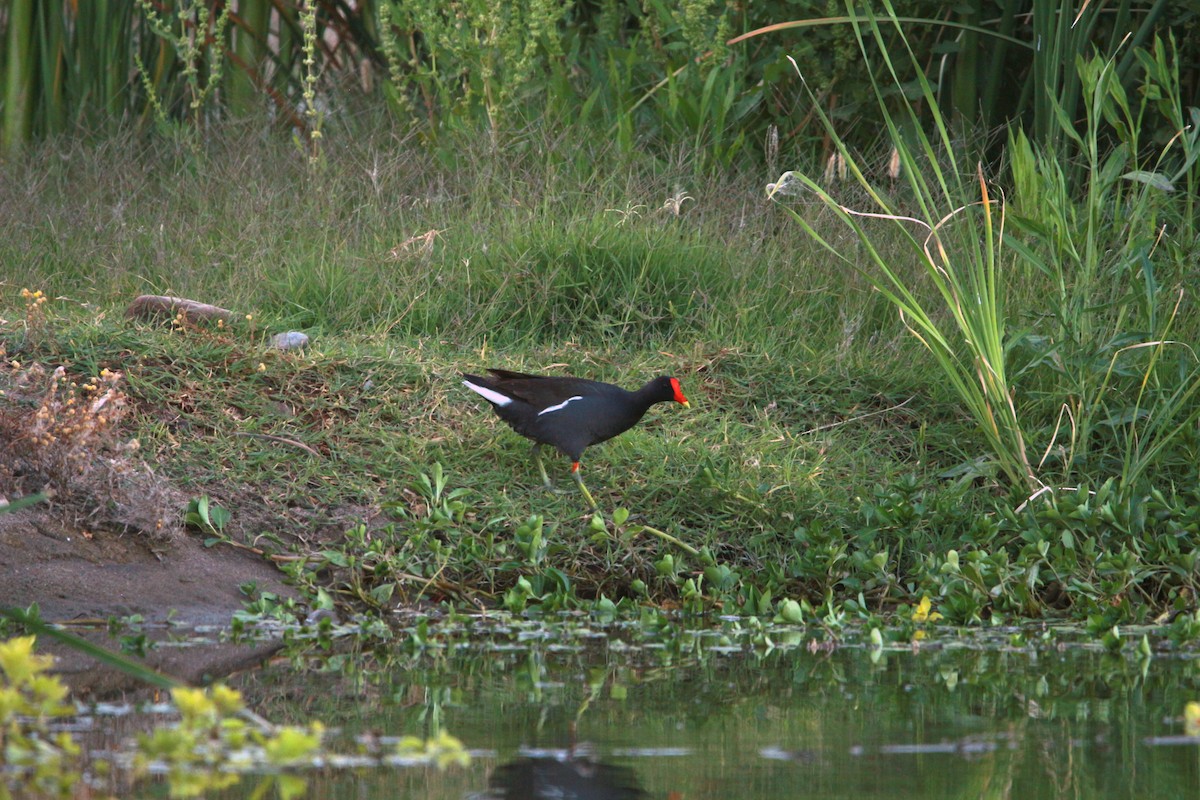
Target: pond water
(570,710)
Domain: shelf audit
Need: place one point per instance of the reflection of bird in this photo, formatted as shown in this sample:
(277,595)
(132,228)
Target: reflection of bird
(571,778)
(569,414)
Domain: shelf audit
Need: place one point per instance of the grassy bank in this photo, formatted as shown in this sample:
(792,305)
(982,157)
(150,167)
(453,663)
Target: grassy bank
(825,460)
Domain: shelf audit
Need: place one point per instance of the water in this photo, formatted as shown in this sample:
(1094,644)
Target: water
(562,710)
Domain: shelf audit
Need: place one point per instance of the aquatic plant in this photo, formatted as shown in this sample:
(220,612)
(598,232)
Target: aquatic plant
(214,744)
(31,754)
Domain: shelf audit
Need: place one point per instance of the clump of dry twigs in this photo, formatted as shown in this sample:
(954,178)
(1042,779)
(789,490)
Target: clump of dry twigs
(62,434)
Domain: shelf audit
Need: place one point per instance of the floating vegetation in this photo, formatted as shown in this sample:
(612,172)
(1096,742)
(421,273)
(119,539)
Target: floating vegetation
(202,740)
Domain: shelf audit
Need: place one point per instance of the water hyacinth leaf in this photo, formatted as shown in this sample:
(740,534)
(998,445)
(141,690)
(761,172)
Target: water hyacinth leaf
(382,593)
(336,557)
(560,578)
(791,612)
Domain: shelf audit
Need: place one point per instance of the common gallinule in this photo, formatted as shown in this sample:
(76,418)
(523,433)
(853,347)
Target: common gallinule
(569,414)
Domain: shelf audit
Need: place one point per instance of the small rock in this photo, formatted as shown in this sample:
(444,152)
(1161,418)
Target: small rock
(292,340)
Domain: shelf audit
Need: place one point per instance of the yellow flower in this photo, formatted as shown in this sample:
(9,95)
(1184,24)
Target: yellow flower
(448,751)
(11,701)
(50,693)
(228,701)
(18,662)
(1191,718)
(924,613)
(192,703)
(291,744)
(442,750)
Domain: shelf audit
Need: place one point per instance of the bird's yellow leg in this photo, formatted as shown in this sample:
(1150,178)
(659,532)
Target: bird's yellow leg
(537,459)
(579,479)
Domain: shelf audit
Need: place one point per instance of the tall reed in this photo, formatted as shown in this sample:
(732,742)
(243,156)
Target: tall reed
(954,236)
(1090,372)
(18,79)
(1113,259)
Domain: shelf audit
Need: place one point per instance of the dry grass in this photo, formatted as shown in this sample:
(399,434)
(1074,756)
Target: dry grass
(62,434)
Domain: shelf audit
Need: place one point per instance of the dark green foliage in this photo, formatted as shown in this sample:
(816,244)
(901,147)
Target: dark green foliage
(709,82)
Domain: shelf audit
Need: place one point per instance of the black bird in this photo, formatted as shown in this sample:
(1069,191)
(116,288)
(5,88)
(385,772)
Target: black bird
(569,414)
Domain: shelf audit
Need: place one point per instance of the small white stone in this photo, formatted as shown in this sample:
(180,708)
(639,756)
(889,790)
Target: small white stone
(292,340)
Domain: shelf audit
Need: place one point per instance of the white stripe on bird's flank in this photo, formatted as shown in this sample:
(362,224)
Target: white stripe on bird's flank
(491,395)
(560,406)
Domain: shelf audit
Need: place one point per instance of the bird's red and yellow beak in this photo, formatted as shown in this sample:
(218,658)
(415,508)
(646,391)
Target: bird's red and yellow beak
(679,398)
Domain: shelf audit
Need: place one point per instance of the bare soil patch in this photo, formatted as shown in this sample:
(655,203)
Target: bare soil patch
(72,575)
(111,541)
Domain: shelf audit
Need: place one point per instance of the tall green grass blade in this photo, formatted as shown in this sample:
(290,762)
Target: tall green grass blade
(850,19)
(250,31)
(991,77)
(18,78)
(52,72)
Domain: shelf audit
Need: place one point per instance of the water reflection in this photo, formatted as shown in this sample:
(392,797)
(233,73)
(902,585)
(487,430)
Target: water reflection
(708,717)
(576,773)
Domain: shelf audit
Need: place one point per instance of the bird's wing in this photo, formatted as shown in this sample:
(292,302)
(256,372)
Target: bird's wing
(541,391)
(509,375)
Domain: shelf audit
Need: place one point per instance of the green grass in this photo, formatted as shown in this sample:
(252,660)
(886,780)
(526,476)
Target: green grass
(818,460)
